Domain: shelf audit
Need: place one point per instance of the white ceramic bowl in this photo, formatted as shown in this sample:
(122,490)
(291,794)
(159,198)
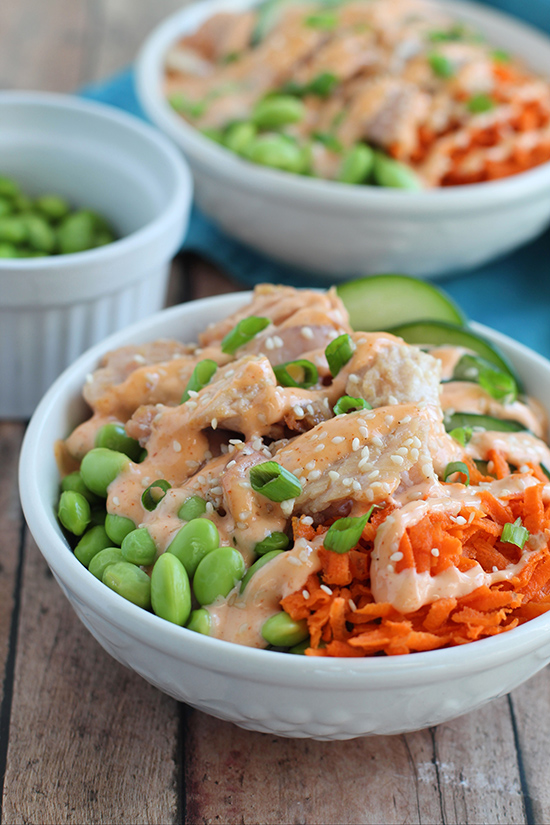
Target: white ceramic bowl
(53,309)
(344,231)
(261,690)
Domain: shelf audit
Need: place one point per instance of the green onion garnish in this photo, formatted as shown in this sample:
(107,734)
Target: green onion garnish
(338,353)
(274,482)
(347,404)
(244,332)
(480,103)
(192,507)
(275,541)
(184,106)
(200,377)
(457,467)
(324,84)
(345,533)
(322,20)
(300,373)
(501,56)
(461,434)
(154,493)
(545,470)
(498,384)
(515,533)
(441,65)
(328,140)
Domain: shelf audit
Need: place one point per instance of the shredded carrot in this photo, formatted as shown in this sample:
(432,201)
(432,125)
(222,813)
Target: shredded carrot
(344,619)
(500,465)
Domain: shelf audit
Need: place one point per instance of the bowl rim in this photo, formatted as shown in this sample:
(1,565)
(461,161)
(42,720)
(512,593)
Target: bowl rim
(179,201)
(296,188)
(214,654)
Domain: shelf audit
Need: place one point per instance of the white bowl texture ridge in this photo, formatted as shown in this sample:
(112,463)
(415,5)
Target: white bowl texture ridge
(54,308)
(261,690)
(344,231)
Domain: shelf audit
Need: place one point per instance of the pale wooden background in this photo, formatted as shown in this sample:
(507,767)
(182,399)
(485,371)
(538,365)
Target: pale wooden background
(82,740)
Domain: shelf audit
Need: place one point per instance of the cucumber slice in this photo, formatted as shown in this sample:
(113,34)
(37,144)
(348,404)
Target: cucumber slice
(383,301)
(487,422)
(440,333)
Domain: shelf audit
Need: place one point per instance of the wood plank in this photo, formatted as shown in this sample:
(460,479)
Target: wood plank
(455,773)
(205,279)
(89,741)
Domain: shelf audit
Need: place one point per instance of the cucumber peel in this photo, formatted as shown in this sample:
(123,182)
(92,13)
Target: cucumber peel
(379,302)
(441,333)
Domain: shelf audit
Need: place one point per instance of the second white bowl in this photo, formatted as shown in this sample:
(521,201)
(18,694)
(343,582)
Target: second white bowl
(344,231)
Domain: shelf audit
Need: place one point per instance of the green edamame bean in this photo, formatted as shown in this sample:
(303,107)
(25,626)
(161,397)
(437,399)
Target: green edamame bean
(8,187)
(192,507)
(53,207)
(22,203)
(300,649)
(40,235)
(278,110)
(100,467)
(282,631)
(170,590)
(138,547)
(130,582)
(239,136)
(5,206)
(113,436)
(389,172)
(275,541)
(92,542)
(76,233)
(357,164)
(277,152)
(118,527)
(193,542)
(217,574)
(74,481)
(13,229)
(257,565)
(98,515)
(103,237)
(200,621)
(102,560)
(73,512)
(8,250)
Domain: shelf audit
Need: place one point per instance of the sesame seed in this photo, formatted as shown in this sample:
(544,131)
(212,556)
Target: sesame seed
(242,525)
(326,590)
(269,344)
(217,491)
(402,451)
(209,507)
(389,568)
(116,501)
(298,411)
(319,448)
(471,517)
(231,464)
(377,441)
(278,342)
(287,506)
(374,474)
(192,393)
(338,439)
(347,482)
(214,423)
(369,495)
(426,469)
(140,359)
(306,332)
(355,444)
(524,469)
(459,520)
(495,568)
(356,485)
(414,454)
(294,561)
(176,446)
(364,463)
(307,520)
(333,475)
(323,435)
(191,404)
(305,594)
(353,379)
(228,373)
(208,455)
(364,432)
(435,551)
(352,605)
(314,475)
(416,441)
(396,556)
(388,419)
(326,404)
(392,399)
(246,451)
(298,472)
(311,465)
(370,416)
(89,378)
(310,409)
(244,485)
(397,459)
(365,452)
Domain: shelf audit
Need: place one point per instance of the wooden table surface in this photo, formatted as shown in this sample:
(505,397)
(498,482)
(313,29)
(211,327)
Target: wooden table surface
(82,740)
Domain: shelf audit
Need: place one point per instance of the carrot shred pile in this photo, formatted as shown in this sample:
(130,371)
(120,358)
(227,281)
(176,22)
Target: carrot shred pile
(344,619)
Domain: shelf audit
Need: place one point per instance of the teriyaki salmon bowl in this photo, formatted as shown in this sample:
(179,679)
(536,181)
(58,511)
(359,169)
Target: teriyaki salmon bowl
(312,513)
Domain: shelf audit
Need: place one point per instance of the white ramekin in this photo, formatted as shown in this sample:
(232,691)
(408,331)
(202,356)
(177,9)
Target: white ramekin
(52,309)
(263,690)
(344,231)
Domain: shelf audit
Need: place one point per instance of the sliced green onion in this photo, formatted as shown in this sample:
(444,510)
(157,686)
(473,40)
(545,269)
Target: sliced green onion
(274,482)
(192,507)
(328,140)
(300,373)
(244,332)
(338,353)
(498,384)
(500,56)
(457,467)
(455,33)
(347,404)
(345,533)
(184,106)
(461,434)
(441,65)
(480,103)
(275,541)
(154,493)
(545,470)
(200,377)
(515,533)
(324,84)
(322,20)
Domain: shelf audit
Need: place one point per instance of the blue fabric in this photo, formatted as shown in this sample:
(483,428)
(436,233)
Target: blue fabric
(511,294)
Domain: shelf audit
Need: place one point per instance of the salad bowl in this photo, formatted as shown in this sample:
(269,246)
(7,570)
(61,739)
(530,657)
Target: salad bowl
(262,690)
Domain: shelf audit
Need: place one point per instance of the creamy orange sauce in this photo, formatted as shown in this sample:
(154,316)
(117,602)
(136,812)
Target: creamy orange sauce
(395,453)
